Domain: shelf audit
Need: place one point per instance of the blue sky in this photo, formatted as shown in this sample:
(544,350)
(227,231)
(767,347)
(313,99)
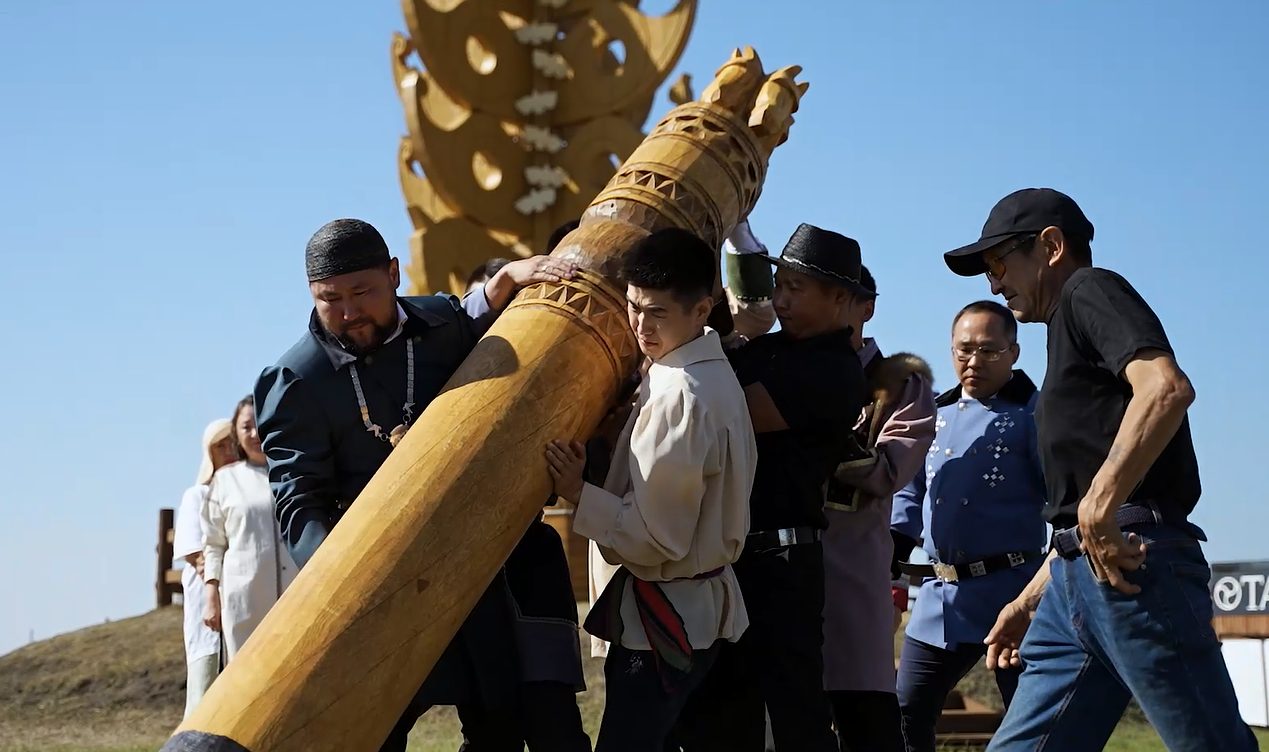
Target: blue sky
(164,164)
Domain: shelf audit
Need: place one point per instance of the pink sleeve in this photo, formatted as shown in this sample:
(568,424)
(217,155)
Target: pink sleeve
(902,444)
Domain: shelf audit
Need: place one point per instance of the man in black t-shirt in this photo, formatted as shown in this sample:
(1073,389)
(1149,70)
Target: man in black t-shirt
(1128,613)
(805,388)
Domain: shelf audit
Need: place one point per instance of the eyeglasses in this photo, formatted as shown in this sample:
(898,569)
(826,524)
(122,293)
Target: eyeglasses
(964,354)
(996,266)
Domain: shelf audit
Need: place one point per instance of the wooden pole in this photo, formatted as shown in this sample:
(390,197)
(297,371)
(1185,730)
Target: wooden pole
(338,658)
(162,589)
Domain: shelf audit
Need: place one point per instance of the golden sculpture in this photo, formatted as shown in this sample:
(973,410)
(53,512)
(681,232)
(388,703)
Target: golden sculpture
(335,662)
(521,113)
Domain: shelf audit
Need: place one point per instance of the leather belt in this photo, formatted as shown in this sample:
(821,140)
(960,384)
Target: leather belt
(1067,542)
(768,540)
(957,572)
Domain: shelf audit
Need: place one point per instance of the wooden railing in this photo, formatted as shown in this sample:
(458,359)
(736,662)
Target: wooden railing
(168,580)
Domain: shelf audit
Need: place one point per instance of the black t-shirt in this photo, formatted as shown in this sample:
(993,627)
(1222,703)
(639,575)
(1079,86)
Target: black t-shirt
(819,388)
(1100,324)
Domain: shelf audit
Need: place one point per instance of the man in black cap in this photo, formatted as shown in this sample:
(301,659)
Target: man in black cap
(332,408)
(1128,614)
(805,388)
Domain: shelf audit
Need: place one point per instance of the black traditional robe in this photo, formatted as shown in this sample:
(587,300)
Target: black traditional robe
(321,456)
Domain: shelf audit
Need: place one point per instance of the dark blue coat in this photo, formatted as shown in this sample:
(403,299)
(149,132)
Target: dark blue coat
(321,456)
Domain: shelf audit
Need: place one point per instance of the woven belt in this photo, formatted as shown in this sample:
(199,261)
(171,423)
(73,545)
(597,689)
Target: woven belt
(769,540)
(1067,542)
(956,572)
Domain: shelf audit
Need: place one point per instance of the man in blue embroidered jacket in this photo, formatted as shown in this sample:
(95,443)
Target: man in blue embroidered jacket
(979,502)
(333,407)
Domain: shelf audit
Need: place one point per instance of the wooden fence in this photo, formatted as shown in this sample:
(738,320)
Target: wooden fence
(168,580)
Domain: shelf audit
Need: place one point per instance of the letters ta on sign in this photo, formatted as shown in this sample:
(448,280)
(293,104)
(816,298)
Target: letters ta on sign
(1240,587)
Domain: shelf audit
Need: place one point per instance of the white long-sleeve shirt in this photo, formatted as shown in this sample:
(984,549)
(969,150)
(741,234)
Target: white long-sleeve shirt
(676,500)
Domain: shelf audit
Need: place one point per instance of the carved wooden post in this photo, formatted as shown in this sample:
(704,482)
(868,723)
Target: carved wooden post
(162,590)
(339,657)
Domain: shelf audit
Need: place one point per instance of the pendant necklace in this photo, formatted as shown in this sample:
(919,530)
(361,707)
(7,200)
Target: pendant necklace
(407,411)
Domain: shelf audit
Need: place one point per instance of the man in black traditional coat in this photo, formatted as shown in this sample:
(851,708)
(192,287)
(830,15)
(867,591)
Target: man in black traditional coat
(331,410)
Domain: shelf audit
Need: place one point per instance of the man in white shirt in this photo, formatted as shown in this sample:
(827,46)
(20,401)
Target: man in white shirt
(674,511)
(202,644)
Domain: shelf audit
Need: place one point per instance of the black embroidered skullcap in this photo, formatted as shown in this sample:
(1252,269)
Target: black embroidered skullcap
(342,247)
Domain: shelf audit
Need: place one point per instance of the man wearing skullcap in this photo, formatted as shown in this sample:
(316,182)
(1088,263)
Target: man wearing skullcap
(334,406)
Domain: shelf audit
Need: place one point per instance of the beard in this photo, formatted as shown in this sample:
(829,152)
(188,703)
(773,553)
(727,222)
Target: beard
(368,338)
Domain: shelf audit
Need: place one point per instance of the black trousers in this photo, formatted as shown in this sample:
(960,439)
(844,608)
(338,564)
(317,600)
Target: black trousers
(550,718)
(868,721)
(546,718)
(484,729)
(927,674)
(638,713)
(777,664)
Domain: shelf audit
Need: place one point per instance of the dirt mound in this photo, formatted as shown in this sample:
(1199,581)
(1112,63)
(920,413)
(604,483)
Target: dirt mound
(123,677)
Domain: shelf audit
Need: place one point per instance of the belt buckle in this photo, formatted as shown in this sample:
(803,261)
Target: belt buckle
(945,572)
(787,536)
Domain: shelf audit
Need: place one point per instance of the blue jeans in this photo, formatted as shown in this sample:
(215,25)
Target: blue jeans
(927,675)
(1091,648)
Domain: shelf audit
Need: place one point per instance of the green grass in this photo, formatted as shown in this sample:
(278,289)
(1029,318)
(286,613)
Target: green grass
(1130,737)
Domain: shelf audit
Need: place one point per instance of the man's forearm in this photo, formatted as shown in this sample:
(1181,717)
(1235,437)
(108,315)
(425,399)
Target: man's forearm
(1030,595)
(498,291)
(1150,421)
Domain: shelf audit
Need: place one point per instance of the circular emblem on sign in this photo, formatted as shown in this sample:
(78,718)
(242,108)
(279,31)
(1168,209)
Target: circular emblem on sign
(1227,594)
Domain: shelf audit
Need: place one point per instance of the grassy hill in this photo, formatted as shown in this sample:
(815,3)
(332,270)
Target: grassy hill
(120,687)
(109,686)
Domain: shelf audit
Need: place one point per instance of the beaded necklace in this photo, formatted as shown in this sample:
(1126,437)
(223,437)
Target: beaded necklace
(407,411)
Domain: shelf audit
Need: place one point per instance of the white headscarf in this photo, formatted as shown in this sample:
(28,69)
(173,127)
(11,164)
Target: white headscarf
(216,430)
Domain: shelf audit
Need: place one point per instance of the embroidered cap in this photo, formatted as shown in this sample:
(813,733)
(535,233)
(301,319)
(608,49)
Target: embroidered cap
(344,246)
(825,255)
(1021,212)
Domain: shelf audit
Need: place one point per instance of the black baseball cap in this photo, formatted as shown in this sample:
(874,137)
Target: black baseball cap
(1025,211)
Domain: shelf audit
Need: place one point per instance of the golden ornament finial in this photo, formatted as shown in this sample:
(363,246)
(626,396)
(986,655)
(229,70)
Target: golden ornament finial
(519,117)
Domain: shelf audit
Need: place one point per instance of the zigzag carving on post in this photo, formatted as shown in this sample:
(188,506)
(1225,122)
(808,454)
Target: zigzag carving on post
(588,300)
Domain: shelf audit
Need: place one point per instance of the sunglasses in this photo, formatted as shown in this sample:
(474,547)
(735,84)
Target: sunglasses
(996,266)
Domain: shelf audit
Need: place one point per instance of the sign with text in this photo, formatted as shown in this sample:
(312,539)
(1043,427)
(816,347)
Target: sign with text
(1240,588)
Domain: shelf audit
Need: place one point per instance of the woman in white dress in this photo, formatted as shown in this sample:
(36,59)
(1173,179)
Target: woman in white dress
(202,645)
(246,567)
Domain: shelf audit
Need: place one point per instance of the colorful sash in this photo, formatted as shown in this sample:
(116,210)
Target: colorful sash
(671,650)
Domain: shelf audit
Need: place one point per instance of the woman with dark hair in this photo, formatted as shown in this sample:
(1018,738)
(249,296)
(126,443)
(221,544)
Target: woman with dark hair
(246,568)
